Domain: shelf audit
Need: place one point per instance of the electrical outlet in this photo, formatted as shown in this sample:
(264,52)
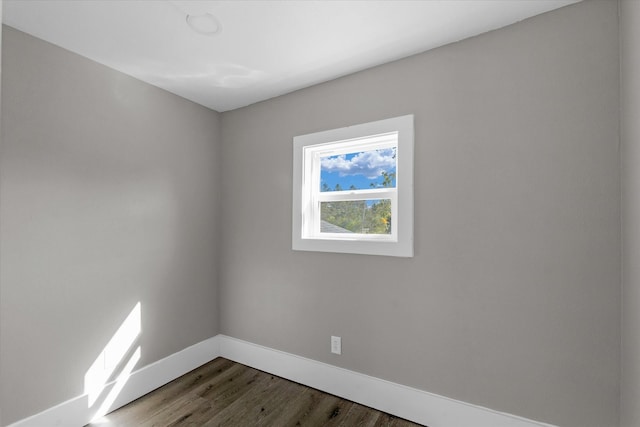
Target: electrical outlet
(336,345)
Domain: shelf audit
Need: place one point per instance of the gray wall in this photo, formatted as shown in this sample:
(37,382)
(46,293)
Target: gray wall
(513,298)
(630,154)
(109,197)
(0,186)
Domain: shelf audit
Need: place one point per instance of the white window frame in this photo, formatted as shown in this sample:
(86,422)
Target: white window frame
(309,149)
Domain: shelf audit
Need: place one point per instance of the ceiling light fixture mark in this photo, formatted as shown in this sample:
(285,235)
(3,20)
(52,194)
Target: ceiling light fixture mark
(205,24)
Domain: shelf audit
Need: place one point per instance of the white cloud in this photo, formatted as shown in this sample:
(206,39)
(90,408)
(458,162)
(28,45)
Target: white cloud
(371,164)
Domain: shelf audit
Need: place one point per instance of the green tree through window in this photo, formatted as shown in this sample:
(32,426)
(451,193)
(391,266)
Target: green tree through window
(361,216)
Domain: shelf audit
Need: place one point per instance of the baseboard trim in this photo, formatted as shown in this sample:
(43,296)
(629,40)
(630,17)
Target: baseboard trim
(415,405)
(75,412)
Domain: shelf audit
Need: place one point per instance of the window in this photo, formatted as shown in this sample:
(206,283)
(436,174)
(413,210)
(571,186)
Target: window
(353,189)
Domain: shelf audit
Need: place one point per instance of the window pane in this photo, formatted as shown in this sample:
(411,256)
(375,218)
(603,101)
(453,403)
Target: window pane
(356,216)
(359,170)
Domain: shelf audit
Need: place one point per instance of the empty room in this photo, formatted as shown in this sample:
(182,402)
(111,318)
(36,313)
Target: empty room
(340,213)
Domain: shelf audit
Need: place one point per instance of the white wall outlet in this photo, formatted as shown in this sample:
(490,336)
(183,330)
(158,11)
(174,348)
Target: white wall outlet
(336,345)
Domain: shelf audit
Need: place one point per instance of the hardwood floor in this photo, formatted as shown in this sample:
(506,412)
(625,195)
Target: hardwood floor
(225,393)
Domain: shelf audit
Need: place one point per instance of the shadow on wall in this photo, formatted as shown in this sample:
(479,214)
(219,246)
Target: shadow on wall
(114,365)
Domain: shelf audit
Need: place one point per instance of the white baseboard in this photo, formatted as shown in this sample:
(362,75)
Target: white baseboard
(76,411)
(405,402)
(415,405)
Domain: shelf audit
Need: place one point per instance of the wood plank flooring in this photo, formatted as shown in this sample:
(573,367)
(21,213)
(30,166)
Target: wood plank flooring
(228,394)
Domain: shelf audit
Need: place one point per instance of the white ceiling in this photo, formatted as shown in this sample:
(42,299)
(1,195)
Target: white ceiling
(264,48)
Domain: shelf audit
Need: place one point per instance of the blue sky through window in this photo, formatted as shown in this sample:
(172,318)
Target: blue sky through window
(359,169)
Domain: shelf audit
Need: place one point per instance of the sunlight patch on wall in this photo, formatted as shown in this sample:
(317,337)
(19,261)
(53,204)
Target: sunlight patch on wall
(112,357)
(119,385)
